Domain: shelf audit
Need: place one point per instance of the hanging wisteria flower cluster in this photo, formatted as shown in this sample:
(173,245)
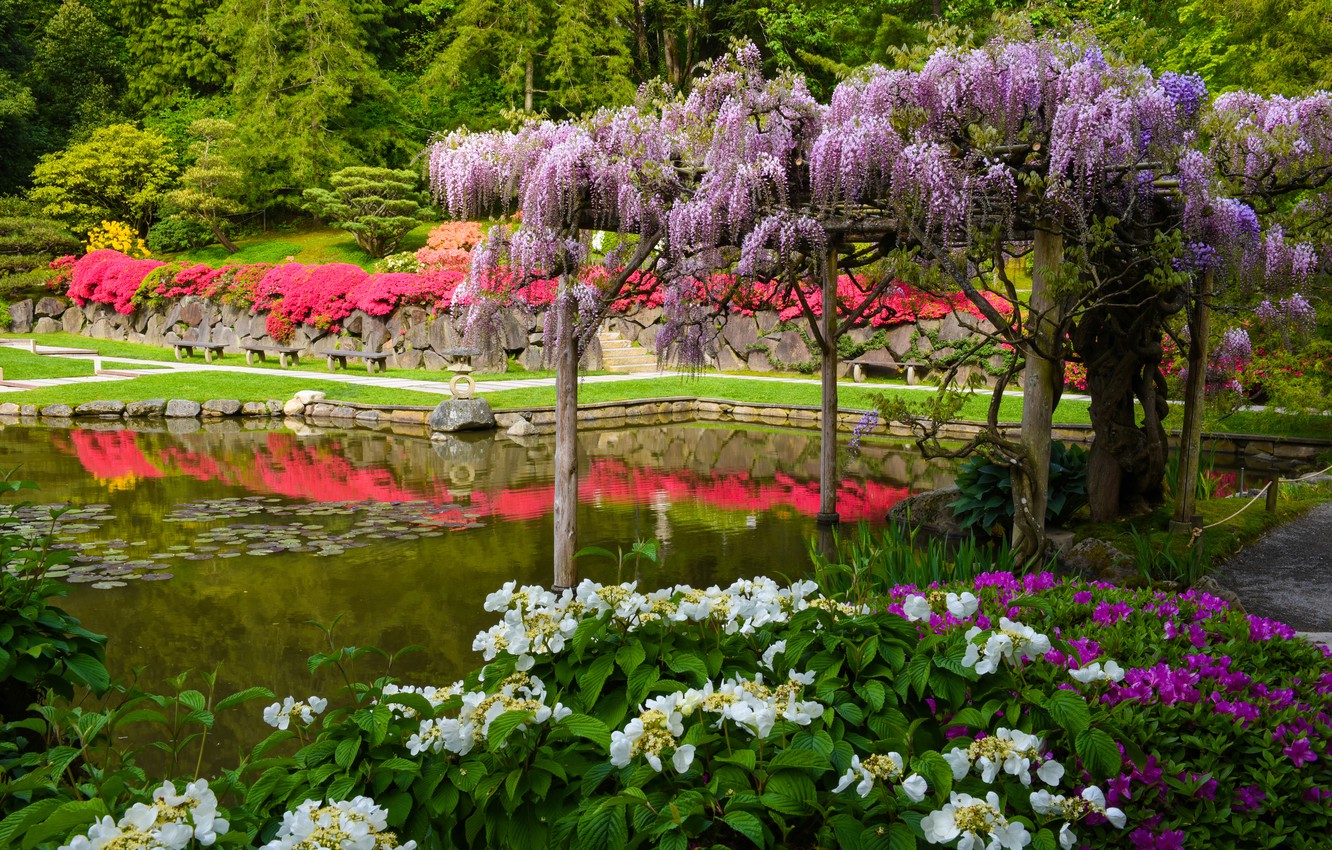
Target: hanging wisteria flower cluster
(171,822)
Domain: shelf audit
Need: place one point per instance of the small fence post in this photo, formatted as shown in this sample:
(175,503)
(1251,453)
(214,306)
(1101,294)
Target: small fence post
(1272,494)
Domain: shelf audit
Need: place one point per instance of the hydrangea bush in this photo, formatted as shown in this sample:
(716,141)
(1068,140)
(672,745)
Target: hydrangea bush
(1009,712)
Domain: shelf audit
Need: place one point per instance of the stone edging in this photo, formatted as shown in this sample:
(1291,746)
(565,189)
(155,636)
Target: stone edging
(608,414)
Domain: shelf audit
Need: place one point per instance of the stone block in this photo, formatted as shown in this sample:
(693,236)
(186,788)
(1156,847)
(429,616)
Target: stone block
(59,410)
(149,407)
(21,316)
(179,408)
(758,362)
(48,306)
(791,349)
(462,415)
(100,408)
(254,408)
(221,407)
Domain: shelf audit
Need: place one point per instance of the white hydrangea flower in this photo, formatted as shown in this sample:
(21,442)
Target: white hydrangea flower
(917,608)
(356,824)
(886,768)
(279,715)
(962,605)
(770,654)
(1010,750)
(1012,641)
(976,824)
(171,822)
(1074,809)
(1095,672)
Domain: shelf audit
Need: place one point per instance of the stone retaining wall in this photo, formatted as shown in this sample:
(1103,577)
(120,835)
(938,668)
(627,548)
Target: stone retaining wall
(418,338)
(1255,451)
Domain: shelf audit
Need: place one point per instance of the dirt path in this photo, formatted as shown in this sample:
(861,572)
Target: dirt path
(1287,575)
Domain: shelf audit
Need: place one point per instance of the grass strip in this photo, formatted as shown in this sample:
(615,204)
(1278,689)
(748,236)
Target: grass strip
(202,386)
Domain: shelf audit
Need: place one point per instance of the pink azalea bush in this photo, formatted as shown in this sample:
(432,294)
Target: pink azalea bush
(324,295)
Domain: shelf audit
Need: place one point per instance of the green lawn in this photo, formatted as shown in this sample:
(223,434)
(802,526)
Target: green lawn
(850,396)
(202,386)
(20,365)
(317,245)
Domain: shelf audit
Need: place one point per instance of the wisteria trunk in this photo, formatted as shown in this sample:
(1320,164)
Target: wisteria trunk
(1119,340)
(1031,476)
(1190,439)
(828,437)
(566,446)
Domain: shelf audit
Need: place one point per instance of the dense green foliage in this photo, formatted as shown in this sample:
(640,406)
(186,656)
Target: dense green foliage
(317,85)
(28,242)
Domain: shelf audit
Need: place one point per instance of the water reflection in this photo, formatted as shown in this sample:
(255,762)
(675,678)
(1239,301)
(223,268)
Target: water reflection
(725,502)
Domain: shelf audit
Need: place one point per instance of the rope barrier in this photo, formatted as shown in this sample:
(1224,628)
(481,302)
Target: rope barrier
(1305,477)
(1241,510)
(1256,497)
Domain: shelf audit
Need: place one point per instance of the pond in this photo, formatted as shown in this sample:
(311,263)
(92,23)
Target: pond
(216,548)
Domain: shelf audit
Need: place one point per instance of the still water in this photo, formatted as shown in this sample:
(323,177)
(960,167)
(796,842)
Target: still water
(214,549)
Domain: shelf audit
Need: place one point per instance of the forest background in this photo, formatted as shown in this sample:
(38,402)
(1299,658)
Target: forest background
(313,86)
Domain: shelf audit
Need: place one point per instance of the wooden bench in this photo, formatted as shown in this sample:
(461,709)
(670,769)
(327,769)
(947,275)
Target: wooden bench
(337,358)
(859,368)
(185,348)
(283,352)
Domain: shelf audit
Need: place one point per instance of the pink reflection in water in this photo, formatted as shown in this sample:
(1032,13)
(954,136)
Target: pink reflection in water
(292,469)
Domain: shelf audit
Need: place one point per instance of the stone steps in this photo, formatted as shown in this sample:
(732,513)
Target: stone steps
(620,355)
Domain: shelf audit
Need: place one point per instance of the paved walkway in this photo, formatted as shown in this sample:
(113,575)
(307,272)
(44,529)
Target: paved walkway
(440,388)
(1287,575)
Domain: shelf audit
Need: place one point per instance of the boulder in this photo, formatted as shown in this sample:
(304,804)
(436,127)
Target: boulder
(531,358)
(72,320)
(274,406)
(254,408)
(409,359)
(521,428)
(471,414)
(310,396)
(432,361)
(100,408)
(931,511)
(368,417)
(221,407)
(1209,584)
(295,407)
(758,362)
(1098,560)
(179,408)
(741,333)
(791,349)
(727,361)
(952,329)
(767,320)
(28,410)
(150,407)
(46,325)
(20,316)
(49,306)
(61,410)
(9,408)
(899,340)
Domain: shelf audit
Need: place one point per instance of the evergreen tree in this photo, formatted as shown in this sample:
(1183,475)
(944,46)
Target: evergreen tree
(173,53)
(308,92)
(210,189)
(378,206)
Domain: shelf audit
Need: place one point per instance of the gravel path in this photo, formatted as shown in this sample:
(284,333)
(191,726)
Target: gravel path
(1287,575)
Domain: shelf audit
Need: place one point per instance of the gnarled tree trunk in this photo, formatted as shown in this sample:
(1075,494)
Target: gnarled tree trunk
(1119,340)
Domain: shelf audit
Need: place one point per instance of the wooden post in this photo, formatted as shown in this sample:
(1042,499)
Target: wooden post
(1031,496)
(1190,437)
(1272,486)
(828,435)
(566,443)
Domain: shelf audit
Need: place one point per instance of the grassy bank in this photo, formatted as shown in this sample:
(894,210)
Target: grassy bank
(314,245)
(202,386)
